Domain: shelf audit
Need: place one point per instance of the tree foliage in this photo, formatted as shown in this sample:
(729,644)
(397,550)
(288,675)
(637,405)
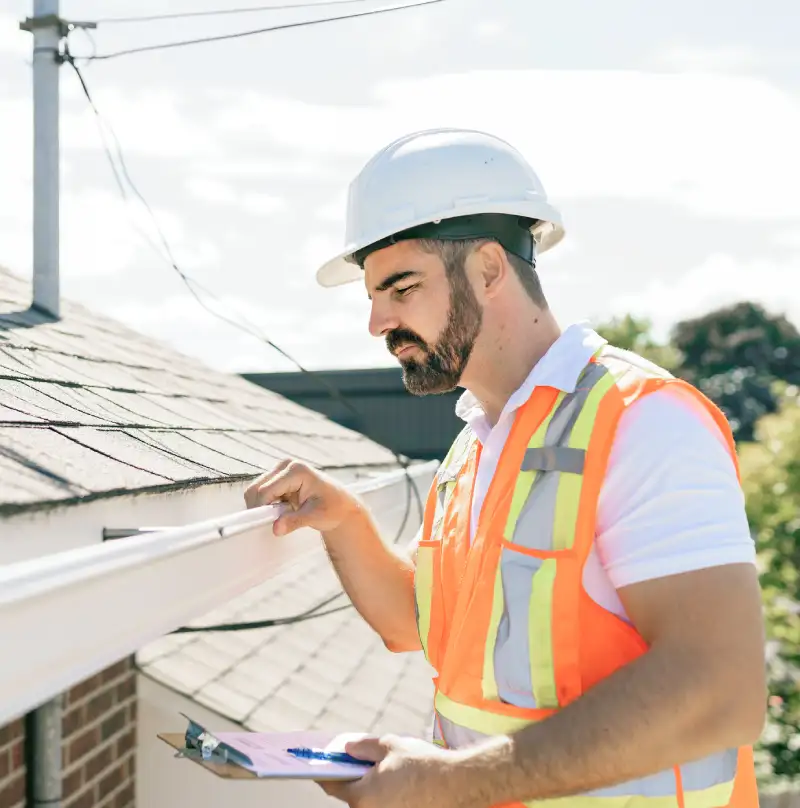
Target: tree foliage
(635,334)
(748,362)
(734,355)
(771,479)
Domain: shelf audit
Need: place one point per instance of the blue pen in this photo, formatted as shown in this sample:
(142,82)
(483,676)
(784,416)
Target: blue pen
(331,757)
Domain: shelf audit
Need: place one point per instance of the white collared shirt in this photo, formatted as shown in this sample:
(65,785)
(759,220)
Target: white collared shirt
(670,501)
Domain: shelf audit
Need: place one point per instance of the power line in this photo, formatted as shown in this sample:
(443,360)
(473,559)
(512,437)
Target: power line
(242,325)
(226,11)
(192,285)
(240,34)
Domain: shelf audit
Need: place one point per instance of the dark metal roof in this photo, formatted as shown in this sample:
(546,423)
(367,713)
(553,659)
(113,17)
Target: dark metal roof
(91,408)
(415,426)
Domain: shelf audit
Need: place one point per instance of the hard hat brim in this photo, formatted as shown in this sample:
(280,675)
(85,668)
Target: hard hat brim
(548,232)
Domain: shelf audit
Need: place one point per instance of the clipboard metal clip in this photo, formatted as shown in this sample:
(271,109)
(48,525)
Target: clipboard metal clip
(200,743)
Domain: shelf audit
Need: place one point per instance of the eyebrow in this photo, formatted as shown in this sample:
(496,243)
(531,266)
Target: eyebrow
(394,278)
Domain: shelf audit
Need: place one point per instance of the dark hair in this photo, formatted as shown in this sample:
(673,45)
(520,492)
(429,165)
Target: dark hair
(454,255)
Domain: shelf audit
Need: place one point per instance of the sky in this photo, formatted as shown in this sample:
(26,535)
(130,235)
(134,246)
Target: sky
(666,134)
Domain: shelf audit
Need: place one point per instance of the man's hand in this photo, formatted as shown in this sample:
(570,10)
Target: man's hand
(316,501)
(407,772)
(378,578)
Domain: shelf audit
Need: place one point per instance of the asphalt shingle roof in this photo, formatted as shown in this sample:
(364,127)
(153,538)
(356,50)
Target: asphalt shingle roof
(89,407)
(330,673)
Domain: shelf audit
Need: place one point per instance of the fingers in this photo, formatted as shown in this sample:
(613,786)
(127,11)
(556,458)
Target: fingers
(340,790)
(372,749)
(251,494)
(281,483)
(294,519)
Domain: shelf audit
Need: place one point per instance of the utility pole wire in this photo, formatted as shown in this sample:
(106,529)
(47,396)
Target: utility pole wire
(317,610)
(240,34)
(225,11)
(241,323)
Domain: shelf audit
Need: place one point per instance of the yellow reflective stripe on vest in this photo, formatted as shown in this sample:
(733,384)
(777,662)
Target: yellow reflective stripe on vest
(423,587)
(479,721)
(568,494)
(707,783)
(489,681)
(712,797)
(540,636)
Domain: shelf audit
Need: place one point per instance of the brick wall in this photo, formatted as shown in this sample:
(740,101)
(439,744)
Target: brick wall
(100,740)
(12,766)
(99,745)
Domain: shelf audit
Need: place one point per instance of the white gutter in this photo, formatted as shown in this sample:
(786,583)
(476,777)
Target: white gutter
(66,616)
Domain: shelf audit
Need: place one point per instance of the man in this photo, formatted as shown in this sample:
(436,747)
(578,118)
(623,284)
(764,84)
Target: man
(584,581)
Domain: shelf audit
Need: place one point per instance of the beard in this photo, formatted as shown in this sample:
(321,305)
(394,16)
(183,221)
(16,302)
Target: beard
(443,364)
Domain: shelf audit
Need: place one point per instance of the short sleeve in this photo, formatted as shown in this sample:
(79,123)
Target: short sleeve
(671,501)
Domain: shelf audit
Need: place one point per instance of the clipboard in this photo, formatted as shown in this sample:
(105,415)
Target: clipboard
(228,761)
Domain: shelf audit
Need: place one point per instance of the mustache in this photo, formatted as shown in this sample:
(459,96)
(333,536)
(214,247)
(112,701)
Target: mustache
(402,336)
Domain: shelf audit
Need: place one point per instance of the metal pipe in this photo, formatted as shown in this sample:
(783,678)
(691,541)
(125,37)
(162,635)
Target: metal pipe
(47,33)
(44,724)
(43,729)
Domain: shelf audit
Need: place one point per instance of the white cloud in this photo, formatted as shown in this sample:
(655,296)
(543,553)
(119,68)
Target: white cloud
(489,29)
(207,189)
(333,211)
(13,41)
(722,58)
(719,281)
(149,123)
(262,204)
(218,192)
(717,145)
(258,166)
(788,238)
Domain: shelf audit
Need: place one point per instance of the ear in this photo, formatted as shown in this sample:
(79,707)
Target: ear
(492,268)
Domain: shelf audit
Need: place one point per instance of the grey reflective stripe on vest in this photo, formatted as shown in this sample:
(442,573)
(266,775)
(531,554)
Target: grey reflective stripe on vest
(512,657)
(554,458)
(695,776)
(534,528)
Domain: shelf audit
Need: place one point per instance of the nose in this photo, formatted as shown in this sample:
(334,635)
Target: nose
(381,318)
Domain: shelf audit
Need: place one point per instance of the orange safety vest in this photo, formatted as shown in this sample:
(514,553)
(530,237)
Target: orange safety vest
(506,623)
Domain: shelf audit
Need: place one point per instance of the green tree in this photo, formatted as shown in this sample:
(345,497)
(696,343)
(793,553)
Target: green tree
(635,334)
(748,362)
(771,480)
(734,355)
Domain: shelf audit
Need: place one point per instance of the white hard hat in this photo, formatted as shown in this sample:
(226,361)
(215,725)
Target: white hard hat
(433,177)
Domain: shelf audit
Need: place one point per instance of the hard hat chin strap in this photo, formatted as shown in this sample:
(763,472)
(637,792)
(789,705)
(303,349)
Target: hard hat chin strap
(511,232)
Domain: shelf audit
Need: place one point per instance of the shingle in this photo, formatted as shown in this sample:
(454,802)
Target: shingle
(175,443)
(126,449)
(226,701)
(331,672)
(31,399)
(13,415)
(72,466)
(147,409)
(22,482)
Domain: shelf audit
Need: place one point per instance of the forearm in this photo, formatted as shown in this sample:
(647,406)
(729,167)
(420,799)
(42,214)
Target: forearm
(379,580)
(658,712)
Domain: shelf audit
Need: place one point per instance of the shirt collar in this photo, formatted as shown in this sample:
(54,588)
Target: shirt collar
(560,367)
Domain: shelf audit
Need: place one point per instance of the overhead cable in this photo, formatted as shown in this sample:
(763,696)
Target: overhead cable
(219,12)
(239,34)
(241,324)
